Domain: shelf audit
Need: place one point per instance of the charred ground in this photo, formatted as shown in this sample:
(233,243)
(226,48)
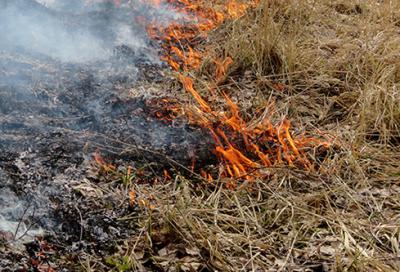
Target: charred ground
(54,115)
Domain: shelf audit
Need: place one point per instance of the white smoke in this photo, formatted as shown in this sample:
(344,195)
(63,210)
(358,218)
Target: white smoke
(67,30)
(12,208)
(47,3)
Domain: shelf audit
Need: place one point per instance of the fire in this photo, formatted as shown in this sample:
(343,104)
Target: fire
(248,148)
(221,67)
(106,167)
(177,39)
(243,148)
(187,82)
(166,109)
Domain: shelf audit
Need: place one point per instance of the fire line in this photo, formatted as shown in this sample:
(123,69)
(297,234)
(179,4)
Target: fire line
(241,147)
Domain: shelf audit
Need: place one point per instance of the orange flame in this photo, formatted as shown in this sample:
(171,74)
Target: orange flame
(107,167)
(222,68)
(188,85)
(243,148)
(200,19)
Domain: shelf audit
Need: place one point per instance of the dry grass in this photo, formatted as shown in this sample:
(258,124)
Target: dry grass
(339,63)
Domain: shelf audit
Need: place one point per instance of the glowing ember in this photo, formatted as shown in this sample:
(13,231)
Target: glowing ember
(106,167)
(166,109)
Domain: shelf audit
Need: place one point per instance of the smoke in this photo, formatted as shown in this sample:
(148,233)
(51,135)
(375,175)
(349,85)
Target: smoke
(72,30)
(33,28)
(47,3)
(16,218)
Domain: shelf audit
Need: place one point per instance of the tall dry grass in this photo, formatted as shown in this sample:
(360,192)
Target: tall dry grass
(336,52)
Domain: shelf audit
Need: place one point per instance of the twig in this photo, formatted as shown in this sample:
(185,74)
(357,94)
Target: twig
(20,222)
(31,224)
(81,218)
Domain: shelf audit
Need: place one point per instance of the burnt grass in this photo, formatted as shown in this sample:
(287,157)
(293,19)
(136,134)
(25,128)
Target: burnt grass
(53,117)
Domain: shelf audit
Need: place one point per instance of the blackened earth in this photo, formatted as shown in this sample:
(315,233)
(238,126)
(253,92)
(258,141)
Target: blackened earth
(53,117)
